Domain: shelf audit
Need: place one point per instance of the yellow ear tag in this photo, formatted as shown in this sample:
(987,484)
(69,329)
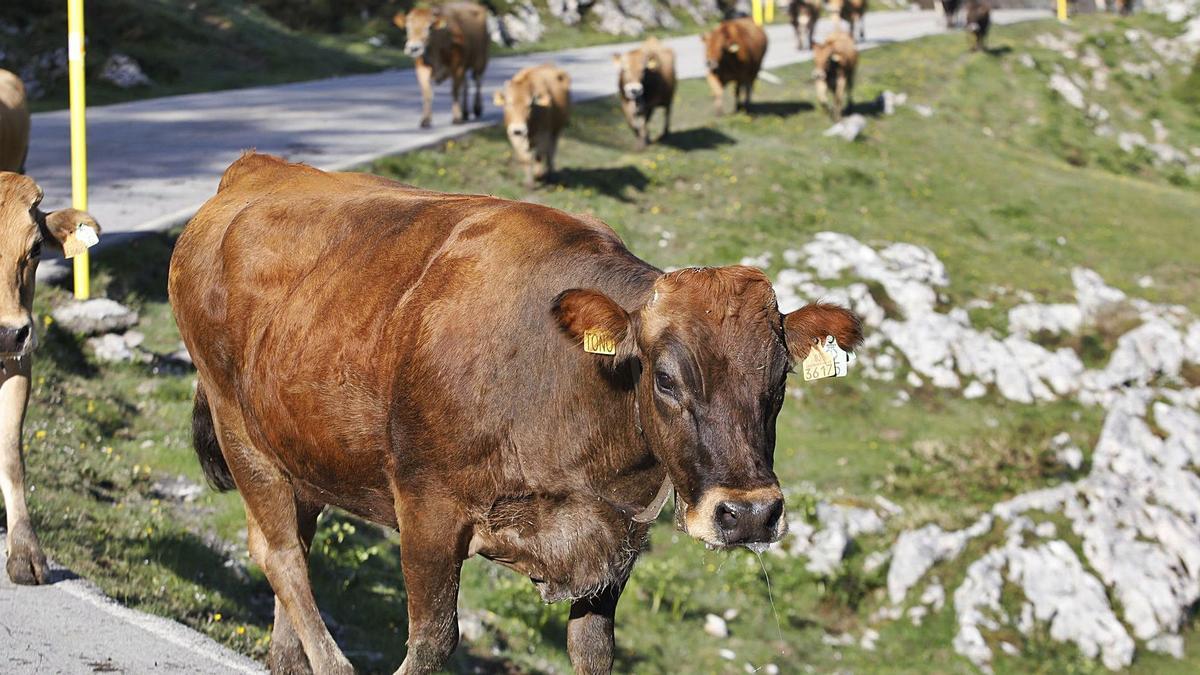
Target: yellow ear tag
(818,365)
(598,342)
(83,238)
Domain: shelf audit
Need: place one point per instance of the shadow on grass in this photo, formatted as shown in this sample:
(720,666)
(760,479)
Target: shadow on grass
(698,138)
(780,108)
(609,181)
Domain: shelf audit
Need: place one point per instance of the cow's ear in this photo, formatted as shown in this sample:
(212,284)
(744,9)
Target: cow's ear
(594,322)
(542,99)
(652,63)
(733,48)
(810,324)
(498,98)
(69,231)
(440,23)
(400,20)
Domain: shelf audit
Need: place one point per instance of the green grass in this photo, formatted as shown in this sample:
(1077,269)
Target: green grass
(991,206)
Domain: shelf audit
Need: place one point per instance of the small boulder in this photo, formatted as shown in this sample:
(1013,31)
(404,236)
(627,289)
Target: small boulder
(95,316)
(124,72)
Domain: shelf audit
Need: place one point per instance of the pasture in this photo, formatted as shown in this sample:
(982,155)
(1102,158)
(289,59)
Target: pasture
(959,182)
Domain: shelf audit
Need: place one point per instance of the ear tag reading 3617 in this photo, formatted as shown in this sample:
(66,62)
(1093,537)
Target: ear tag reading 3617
(827,360)
(83,238)
(598,342)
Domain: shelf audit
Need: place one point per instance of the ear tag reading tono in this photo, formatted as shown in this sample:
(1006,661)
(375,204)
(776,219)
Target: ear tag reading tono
(827,360)
(598,342)
(79,241)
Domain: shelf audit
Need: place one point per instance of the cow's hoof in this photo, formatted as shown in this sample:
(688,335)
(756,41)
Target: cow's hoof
(288,659)
(426,123)
(26,562)
(478,111)
(460,120)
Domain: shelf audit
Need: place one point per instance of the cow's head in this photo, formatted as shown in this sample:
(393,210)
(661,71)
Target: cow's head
(632,67)
(718,46)
(24,232)
(520,99)
(419,26)
(826,56)
(711,353)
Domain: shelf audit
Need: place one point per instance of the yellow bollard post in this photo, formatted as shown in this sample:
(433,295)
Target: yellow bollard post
(75,51)
(769,13)
(756,8)
(1062,10)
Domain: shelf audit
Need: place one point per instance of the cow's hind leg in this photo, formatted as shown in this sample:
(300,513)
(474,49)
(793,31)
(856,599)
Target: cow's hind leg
(26,562)
(590,640)
(478,107)
(459,84)
(287,651)
(433,544)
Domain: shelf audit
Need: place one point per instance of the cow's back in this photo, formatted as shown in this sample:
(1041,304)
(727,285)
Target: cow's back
(470,19)
(14,122)
(348,314)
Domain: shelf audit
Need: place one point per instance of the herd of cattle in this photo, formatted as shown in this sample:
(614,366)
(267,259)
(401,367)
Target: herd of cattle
(450,41)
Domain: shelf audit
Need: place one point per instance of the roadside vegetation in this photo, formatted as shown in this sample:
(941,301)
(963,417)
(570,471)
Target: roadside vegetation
(1005,182)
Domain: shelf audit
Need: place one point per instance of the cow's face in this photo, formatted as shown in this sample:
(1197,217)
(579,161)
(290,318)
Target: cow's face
(24,231)
(518,100)
(418,25)
(712,353)
(718,46)
(632,67)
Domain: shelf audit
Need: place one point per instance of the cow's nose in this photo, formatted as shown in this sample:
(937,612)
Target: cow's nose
(633,90)
(15,340)
(414,50)
(745,522)
(518,130)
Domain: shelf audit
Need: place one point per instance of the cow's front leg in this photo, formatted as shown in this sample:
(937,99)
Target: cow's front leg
(478,94)
(459,84)
(425,79)
(26,562)
(718,92)
(666,122)
(432,548)
(590,641)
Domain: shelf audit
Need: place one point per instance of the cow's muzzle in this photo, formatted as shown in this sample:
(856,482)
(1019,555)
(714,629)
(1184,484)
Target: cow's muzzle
(16,342)
(733,517)
(634,91)
(518,130)
(415,49)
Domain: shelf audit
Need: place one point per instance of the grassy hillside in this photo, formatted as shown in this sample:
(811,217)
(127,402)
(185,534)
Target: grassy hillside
(1006,182)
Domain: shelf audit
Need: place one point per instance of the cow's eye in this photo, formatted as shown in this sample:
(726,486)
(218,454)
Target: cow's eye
(664,383)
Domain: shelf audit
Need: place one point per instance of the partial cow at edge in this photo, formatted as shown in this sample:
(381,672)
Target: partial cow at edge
(447,41)
(537,105)
(14,123)
(979,22)
(488,377)
(804,15)
(733,52)
(24,232)
(646,82)
(834,64)
(854,13)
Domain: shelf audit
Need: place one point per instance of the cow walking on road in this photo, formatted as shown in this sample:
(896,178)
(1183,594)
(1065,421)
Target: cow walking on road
(854,13)
(14,123)
(24,232)
(446,42)
(979,22)
(804,15)
(733,52)
(834,63)
(646,82)
(537,105)
(488,377)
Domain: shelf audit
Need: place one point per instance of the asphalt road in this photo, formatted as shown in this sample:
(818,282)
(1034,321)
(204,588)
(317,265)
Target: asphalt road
(152,163)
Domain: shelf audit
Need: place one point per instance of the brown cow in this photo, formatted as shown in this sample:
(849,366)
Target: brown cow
(733,52)
(979,21)
(853,13)
(646,81)
(804,15)
(14,123)
(422,361)
(24,231)
(834,63)
(537,104)
(446,42)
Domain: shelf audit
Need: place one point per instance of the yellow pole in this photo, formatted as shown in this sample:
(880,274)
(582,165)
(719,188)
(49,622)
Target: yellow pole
(756,7)
(1062,10)
(769,15)
(75,52)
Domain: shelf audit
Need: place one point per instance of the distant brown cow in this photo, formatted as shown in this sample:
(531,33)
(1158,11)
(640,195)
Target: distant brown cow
(14,123)
(853,13)
(834,63)
(733,52)
(804,15)
(979,21)
(950,11)
(446,42)
(488,377)
(646,81)
(537,104)
(24,231)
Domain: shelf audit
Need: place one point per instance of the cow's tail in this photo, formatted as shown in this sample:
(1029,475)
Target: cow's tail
(208,450)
